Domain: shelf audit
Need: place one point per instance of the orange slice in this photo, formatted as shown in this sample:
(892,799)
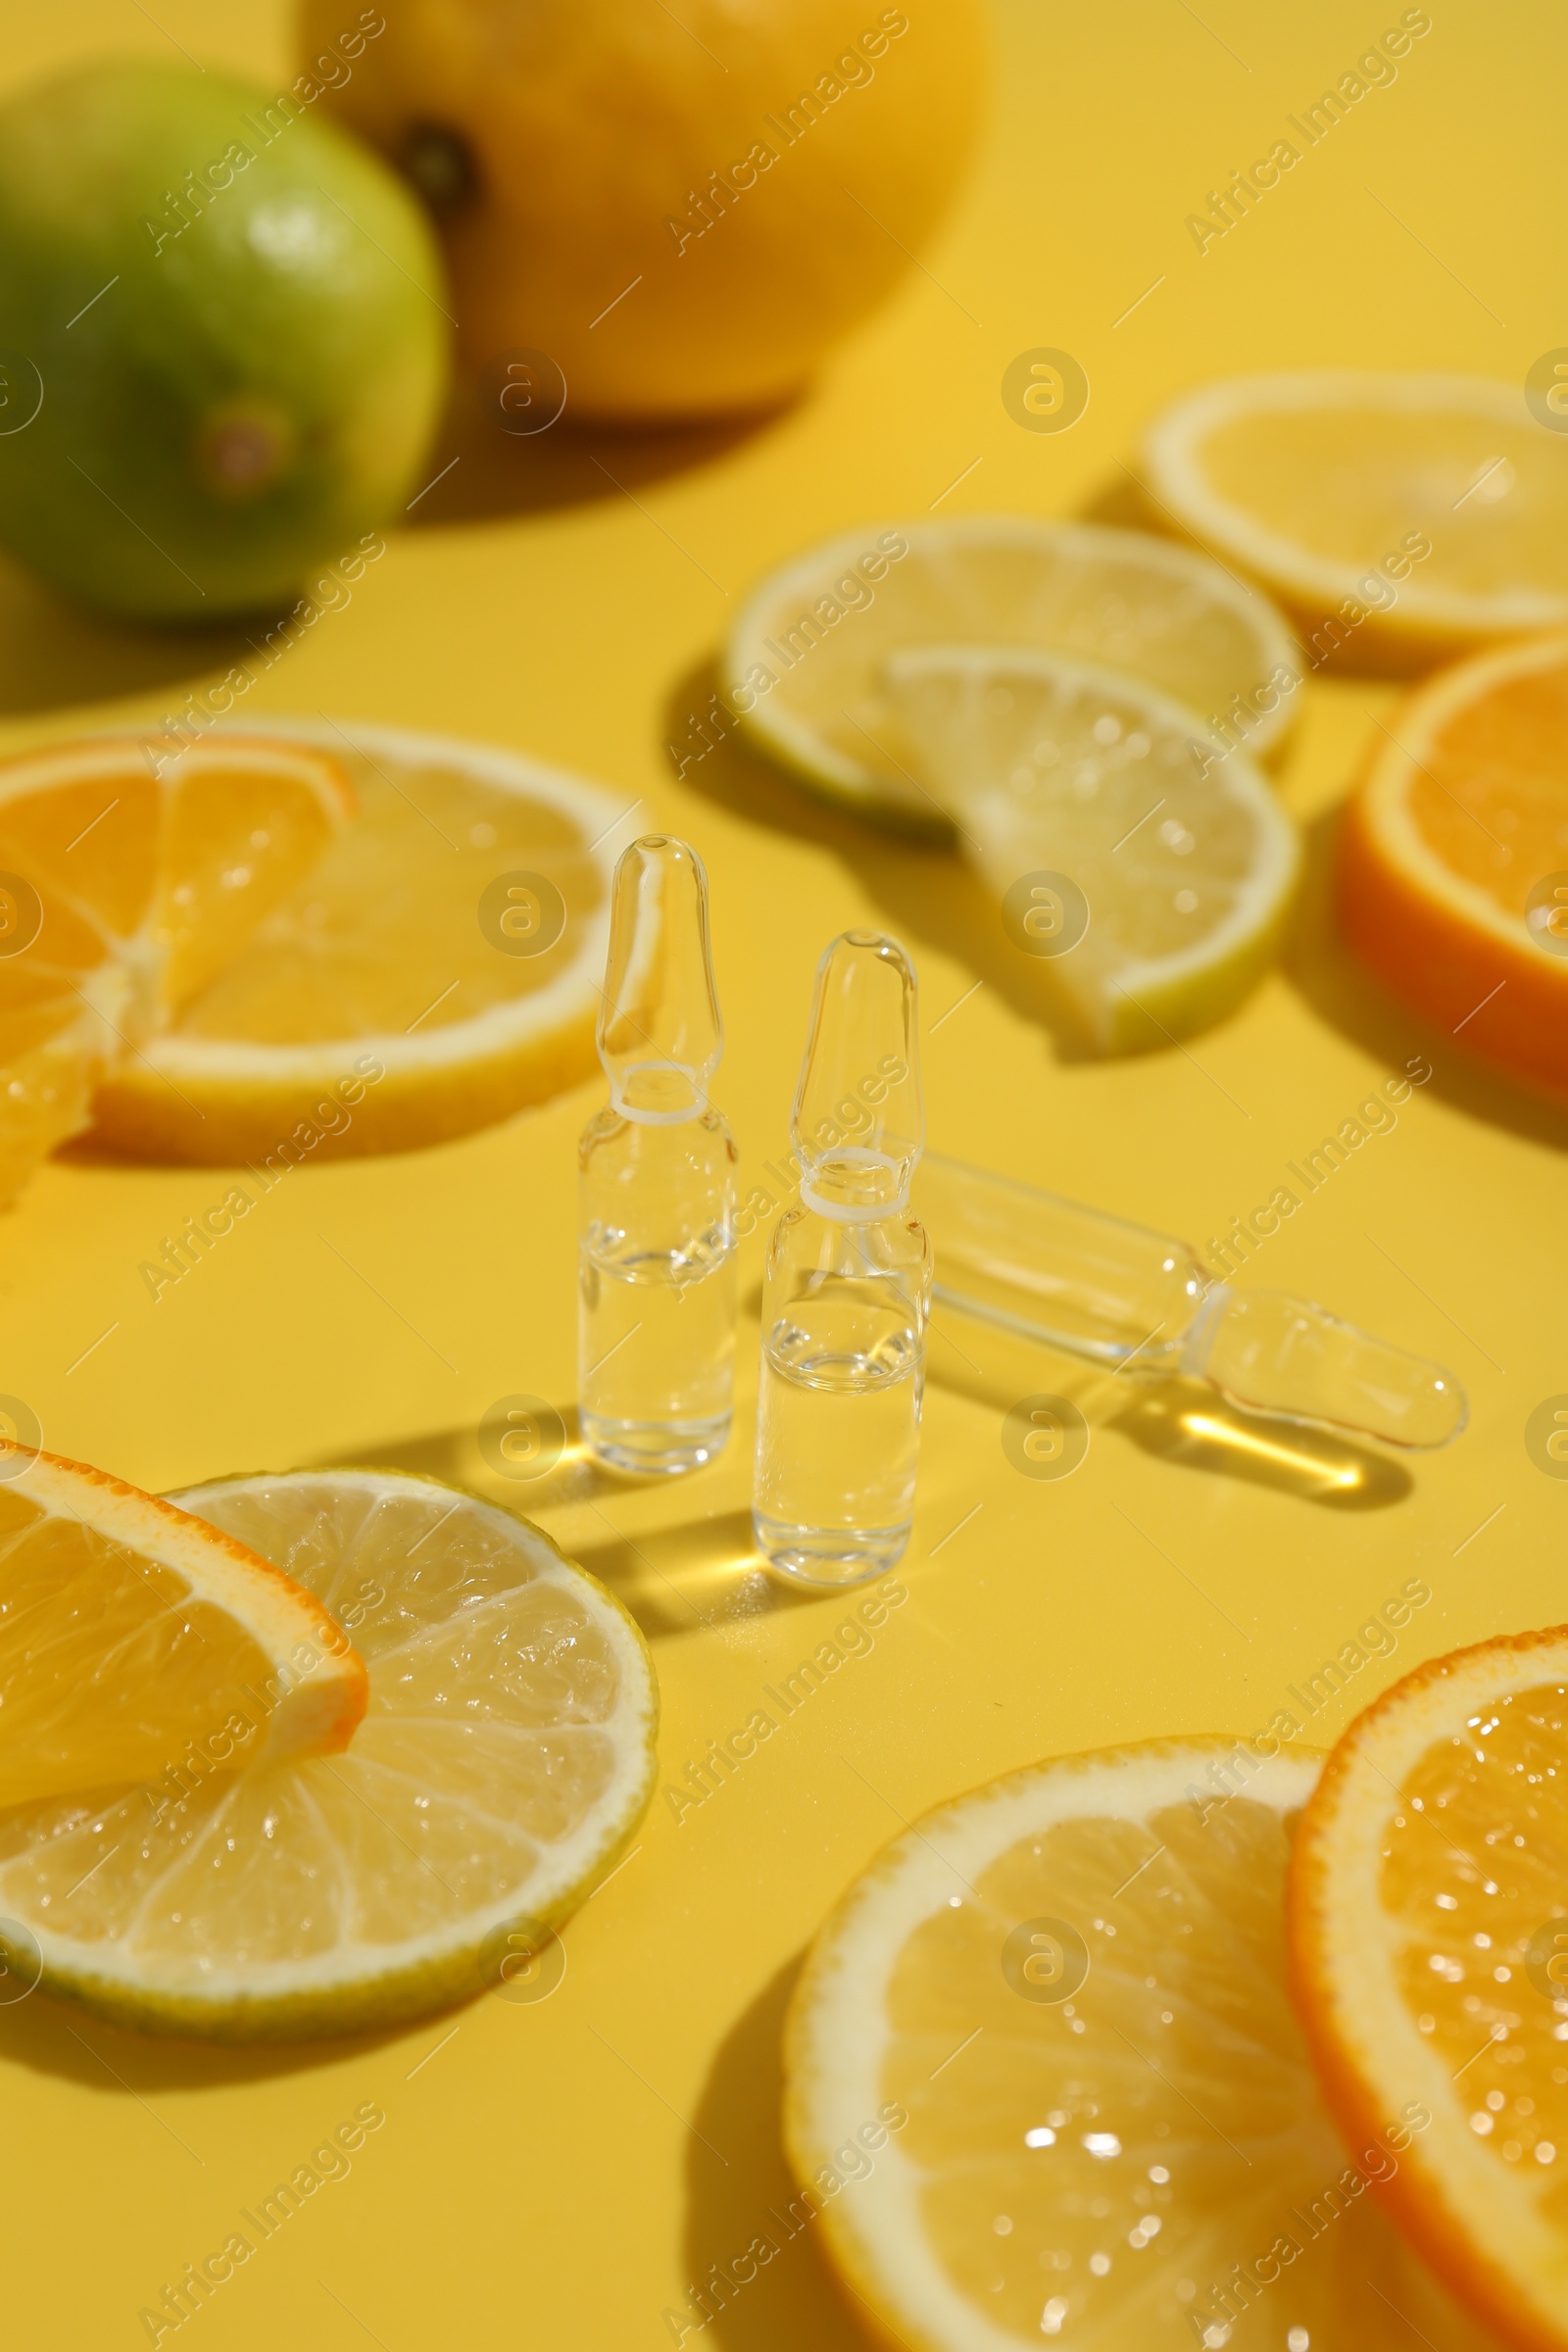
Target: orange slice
(437,969)
(131,1634)
(505,1759)
(1453,859)
(127,881)
(1429,1951)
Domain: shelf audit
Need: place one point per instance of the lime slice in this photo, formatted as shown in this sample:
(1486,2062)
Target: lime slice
(803,667)
(1143,877)
(503,1761)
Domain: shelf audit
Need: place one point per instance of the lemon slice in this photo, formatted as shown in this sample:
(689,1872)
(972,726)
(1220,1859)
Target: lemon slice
(505,1757)
(803,667)
(1400,516)
(128,1628)
(1044,2083)
(436,970)
(1429,1958)
(1178,863)
(127,878)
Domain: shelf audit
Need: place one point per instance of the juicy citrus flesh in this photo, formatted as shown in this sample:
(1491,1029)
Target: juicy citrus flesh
(388,956)
(1459,825)
(127,1629)
(822,629)
(505,1756)
(149,865)
(1489,797)
(1051,767)
(1316,481)
(1095,2168)
(1428,1920)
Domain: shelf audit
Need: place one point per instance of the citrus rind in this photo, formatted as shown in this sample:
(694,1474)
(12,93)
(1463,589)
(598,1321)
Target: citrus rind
(362,1982)
(1477,2220)
(861,773)
(1426,621)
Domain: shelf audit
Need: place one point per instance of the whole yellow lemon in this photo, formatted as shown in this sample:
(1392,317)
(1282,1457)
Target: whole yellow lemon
(681,206)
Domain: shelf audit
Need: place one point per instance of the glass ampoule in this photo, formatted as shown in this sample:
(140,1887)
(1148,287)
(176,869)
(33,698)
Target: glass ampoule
(655,1254)
(848,1285)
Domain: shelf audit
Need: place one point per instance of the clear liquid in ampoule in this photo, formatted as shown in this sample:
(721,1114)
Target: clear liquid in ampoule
(655,1229)
(656,1343)
(848,1285)
(838,1436)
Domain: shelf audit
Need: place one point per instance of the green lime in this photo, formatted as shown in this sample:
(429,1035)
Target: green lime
(223,345)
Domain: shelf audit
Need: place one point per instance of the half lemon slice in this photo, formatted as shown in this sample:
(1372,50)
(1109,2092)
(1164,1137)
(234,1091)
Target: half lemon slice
(1143,877)
(505,1757)
(804,664)
(1044,2083)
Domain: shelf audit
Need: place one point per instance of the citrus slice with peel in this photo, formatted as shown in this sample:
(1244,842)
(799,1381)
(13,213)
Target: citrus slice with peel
(128,1628)
(1429,1961)
(1397,518)
(127,876)
(1454,856)
(1045,2083)
(804,664)
(1144,878)
(505,1757)
(436,970)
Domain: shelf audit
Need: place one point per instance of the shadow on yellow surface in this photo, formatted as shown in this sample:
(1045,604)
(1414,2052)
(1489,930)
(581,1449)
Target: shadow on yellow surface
(1186,1423)
(54,2037)
(738,2189)
(1189,1424)
(55,654)
(703,1572)
(479,471)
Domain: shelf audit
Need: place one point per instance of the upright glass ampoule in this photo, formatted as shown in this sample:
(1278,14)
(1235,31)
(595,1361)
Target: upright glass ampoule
(656,1253)
(847,1285)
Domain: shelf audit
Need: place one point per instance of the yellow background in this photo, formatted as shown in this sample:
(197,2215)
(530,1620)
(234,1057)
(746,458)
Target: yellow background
(556,2175)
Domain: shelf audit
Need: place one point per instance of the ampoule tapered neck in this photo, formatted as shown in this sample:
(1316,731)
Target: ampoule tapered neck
(858,1123)
(661,1036)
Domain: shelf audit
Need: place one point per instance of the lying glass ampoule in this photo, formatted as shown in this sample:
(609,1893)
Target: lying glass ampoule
(656,1251)
(1073,1277)
(847,1285)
